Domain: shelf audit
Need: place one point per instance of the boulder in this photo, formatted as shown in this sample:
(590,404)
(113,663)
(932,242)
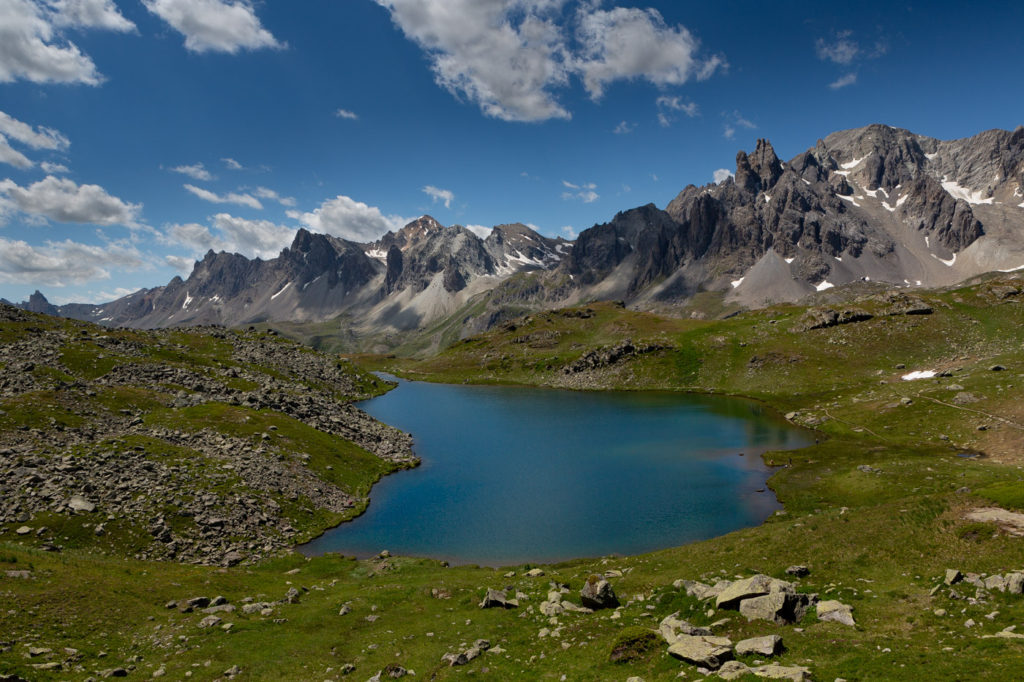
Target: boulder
(671,627)
(693,588)
(733,670)
(783,608)
(774,671)
(209,622)
(836,612)
(597,593)
(707,652)
(736,592)
(1015,582)
(761,646)
(80,504)
(953,576)
(995,582)
(232,558)
(716,589)
(495,599)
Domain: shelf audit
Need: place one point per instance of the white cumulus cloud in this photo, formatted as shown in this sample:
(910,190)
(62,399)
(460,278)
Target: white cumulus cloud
(64,263)
(584,192)
(842,82)
(632,43)
(265,193)
(12,156)
(229,198)
(666,105)
(64,201)
(214,25)
(842,49)
(481,231)
(33,46)
(251,238)
(54,168)
(347,218)
(196,171)
(733,121)
(510,57)
(624,128)
(232,164)
(89,14)
(722,174)
(504,55)
(39,137)
(443,195)
(345,113)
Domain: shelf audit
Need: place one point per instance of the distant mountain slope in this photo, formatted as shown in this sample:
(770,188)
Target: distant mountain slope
(875,204)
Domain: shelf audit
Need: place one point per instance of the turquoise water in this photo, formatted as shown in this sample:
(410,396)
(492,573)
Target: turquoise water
(515,475)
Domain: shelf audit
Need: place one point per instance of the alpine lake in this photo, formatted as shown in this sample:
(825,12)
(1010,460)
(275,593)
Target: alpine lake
(514,475)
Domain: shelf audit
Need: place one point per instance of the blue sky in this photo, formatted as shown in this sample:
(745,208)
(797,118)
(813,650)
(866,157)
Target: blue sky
(137,134)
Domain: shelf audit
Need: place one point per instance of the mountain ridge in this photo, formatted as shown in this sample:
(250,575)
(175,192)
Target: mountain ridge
(875,204)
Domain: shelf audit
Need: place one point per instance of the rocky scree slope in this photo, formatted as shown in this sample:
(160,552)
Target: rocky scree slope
(197,445)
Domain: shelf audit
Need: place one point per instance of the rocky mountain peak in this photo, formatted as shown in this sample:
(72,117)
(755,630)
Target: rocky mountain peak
(37,303)
(760,170)
(419,229)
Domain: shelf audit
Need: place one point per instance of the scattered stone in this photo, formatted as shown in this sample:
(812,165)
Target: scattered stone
(735,593)
(23,530)
(80,504)
(209,622)
(232,558)
(953,576)
(836,612)
(996,368)
(799,571)
(706,652)
(671,628)
(774,671)
(534,573)
(1015,582)
(498,599)
(733,670)
(769,645)
(995,582)
(597,593)
(291,596)
(52,665)
(784,608)
(114,672)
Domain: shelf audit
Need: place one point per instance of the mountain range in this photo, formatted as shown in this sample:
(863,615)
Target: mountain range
(873,204)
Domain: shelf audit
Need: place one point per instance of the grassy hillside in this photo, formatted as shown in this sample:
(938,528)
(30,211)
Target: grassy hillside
(877,511)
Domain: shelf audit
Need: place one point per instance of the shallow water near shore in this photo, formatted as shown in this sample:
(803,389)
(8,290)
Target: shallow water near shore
(512,475)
